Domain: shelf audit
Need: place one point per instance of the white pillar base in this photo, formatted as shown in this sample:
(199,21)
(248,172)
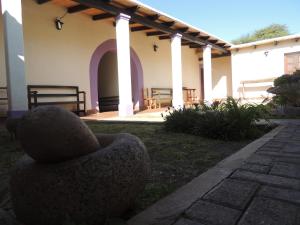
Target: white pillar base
(125,109)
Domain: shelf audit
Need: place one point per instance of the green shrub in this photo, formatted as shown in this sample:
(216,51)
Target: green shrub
(227,120)
(181,120)
(286,90)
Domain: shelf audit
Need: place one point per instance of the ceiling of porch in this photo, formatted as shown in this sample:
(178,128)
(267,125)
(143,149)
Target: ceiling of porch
(145,19)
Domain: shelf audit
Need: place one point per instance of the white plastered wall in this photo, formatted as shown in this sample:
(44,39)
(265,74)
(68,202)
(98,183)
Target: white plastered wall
(221,77)
(262,62)
(191,69)
(63,57)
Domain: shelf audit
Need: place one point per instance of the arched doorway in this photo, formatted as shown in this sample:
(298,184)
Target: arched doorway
(107,51)
(108,89)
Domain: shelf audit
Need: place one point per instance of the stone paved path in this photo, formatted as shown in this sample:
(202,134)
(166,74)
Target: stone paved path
(265,190)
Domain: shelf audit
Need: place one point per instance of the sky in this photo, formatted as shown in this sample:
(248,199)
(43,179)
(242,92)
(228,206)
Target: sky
(230,19)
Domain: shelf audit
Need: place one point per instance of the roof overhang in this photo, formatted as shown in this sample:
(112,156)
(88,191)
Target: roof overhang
(295,37)
(148,19)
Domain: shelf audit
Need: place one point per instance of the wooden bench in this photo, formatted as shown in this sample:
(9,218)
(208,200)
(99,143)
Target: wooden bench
(3,101)
(163,96)
(259,85)
(67,96)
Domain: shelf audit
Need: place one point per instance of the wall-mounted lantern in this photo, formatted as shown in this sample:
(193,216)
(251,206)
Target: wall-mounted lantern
(155,47)
(58,21)
(266,53)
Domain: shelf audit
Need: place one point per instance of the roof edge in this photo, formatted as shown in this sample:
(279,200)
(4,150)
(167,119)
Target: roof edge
(266,41)
(180,21)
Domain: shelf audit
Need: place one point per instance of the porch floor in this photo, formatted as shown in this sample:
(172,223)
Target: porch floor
(149,115)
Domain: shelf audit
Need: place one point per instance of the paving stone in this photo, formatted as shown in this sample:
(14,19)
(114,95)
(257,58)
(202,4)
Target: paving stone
(293,160)
(264,211)
(296,138)
(275,144)
(184,221)
(284,134)
(280,193)
(278,154)
(260,159)
(269,149)
(213,214)
(281,139)
(286,170)
(233,193)
(292,148)
(267,179)
(256,167)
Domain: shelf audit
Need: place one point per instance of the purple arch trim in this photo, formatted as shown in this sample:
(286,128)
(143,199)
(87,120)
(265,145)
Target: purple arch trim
(136,72)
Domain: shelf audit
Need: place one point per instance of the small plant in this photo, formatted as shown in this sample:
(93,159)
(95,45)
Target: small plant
(228,120)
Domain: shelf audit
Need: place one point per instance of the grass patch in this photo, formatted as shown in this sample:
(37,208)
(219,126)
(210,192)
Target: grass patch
(176,158)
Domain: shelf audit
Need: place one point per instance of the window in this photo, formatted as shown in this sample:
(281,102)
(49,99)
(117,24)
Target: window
(292,62)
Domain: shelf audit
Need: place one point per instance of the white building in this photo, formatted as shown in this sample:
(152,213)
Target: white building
(117,50)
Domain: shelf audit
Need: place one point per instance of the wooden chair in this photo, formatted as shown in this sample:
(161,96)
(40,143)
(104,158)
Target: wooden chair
(191,98)
(149,101)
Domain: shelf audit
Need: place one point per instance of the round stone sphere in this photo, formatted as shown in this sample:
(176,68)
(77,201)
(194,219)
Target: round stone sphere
(85,190)
(53,134)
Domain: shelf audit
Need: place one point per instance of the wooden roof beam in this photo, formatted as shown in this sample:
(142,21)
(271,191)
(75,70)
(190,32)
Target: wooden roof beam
(146,22)
(186,43)
(133,9)
(195,34)
(42,1)
(140,28)
(102,16)
(155,33)
(195,46)
(77,8)
(153,17)
(164,37)
(168,24)
(213,41)
(204,37)
(183,29)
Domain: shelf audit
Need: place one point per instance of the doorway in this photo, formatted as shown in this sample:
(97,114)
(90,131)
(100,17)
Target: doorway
(104,82)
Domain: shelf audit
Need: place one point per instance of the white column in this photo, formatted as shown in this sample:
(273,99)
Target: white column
(14,57)
(207,69)
(176,70)
(124,69)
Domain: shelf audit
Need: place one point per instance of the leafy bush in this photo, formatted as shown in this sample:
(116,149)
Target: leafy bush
(181,120)
(227,120)
(287,90)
